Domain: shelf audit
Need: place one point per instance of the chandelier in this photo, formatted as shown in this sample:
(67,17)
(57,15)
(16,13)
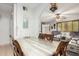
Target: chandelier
(53,7)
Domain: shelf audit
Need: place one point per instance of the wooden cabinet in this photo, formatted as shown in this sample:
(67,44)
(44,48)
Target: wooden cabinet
(59,26)
(68,26)
(75,26)
(64,26)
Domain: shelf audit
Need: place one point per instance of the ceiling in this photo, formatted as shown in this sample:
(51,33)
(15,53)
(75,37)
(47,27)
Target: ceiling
(62,7)
(68,10)
(32,6)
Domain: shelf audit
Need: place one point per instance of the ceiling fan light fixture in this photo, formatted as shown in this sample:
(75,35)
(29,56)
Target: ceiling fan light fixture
(58,16)
(53,7)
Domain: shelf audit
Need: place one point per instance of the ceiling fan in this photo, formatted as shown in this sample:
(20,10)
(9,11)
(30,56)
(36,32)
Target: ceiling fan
(59,16)
(53,8)
(59,12)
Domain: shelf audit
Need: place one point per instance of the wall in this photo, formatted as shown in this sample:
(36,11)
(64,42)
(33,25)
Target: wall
(33,23)
(4,28)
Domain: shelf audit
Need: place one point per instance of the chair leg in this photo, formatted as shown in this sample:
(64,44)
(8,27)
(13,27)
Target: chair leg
(64,54)
(14,54)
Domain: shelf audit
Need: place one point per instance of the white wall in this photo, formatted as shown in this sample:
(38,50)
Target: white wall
(4,28)
(33,23)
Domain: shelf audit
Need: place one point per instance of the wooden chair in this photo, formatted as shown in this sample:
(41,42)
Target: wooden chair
(17,49)
(43,36)
(49,37)
(40,36)
(61,49)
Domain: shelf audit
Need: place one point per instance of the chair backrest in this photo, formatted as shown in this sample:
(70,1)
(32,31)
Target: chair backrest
(17,48)
(61,49)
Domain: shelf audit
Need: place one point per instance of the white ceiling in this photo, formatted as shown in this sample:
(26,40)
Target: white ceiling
(62,7)
(32,6)
(68,10)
